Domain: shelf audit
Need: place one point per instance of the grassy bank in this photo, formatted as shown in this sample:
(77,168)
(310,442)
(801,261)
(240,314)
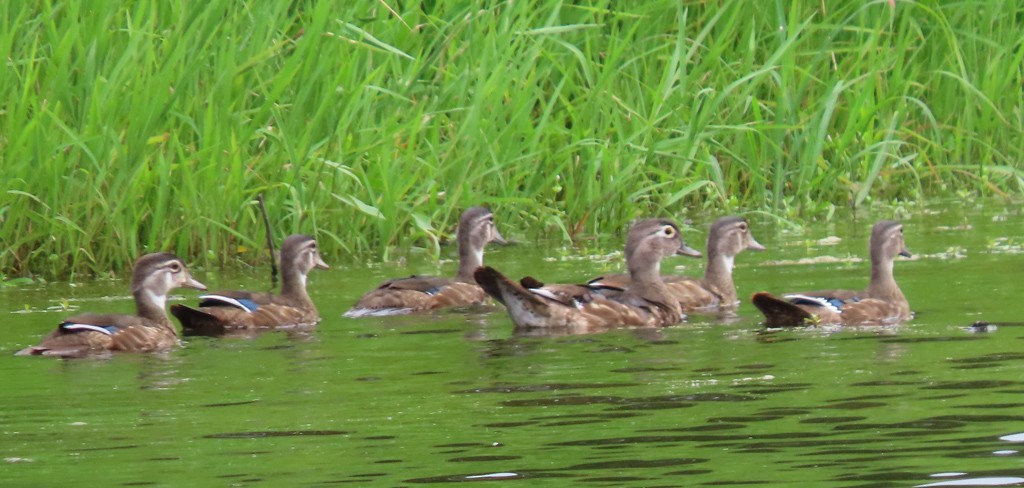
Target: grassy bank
(373,123)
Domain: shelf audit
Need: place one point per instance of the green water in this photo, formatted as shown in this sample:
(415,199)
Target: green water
(448,398)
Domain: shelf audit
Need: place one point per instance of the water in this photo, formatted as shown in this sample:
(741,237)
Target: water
(402,401)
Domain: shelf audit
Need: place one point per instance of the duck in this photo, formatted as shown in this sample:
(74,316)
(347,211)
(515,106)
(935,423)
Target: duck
(425,293)
(728,237)
(224,311)
(882,303)
(645,302)
(150,329)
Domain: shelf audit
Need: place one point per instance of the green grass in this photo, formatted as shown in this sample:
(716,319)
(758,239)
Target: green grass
(373,123)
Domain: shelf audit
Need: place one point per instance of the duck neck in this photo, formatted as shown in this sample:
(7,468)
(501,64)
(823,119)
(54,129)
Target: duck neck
(718,274)
(883,284)
(293,286)
(470,258)
(647,284)
(150,305)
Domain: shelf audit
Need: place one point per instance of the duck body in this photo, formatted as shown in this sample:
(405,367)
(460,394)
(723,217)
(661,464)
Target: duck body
(225,311)
(823,308)
(728,237)
(693,294)
(425,293)
(154,276)
(645,302)
(416,294)
(882,303)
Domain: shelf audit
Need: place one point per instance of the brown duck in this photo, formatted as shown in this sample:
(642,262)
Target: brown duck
(728,237)
(882,303)
(422,293)
(153,277)
(226,311)
(645,302)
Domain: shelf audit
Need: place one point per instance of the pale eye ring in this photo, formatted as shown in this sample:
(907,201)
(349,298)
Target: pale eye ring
(175,267)
(669,231)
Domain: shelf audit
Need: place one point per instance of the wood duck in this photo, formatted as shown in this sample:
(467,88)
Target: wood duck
(580,308)
(153,277)
(422,293)
(728,237)
(882,303)
(225,311)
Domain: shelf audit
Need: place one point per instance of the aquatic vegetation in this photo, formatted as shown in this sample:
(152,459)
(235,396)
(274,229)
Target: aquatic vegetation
(1005,245)
(131,128)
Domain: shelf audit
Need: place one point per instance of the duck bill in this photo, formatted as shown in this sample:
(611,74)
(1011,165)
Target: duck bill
(193,283)
(755,246)
(496,237)
(905,253)
(320,264)
(685,250)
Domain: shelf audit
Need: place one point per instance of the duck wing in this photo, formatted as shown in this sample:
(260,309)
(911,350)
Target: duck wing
(83,334)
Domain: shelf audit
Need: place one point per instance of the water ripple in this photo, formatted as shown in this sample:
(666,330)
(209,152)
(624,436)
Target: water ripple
(278,433)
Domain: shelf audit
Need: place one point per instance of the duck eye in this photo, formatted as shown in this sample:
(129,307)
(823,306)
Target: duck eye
(175,267)
(669,231)
(743,227)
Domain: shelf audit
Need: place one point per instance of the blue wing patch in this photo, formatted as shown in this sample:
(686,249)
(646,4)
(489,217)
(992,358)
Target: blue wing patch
(831,303)
(103,329)
(433,291)
(219,301)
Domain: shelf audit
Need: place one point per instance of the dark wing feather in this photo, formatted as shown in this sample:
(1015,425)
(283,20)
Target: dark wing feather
(418,293)
(569,295)
(617,282)
(425,284)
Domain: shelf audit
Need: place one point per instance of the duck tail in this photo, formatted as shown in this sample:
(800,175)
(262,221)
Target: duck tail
(523,306)
(779,312)
(197,322)
(32,351)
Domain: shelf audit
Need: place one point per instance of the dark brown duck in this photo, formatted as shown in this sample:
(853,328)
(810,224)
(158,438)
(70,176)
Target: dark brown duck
(153,277)
(728,237)
(422,293)
(645,302)
(225,311)
(881,304)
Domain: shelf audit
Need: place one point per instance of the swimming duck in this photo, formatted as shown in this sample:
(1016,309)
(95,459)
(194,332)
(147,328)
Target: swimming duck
(243,310)
(421,293)
(728,237)
(645,302)
(153,277)
(882,303)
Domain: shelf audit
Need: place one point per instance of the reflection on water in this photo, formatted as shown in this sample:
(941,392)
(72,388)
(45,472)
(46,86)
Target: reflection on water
(461,398)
